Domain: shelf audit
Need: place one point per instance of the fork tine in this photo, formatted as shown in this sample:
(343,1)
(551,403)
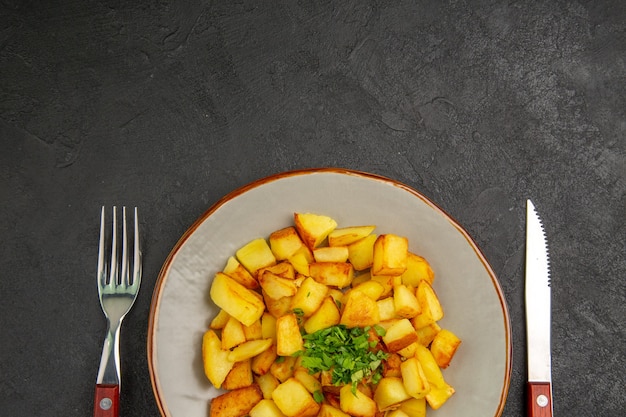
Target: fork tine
(124,280)
(137,255)
(102,269)
(114,271)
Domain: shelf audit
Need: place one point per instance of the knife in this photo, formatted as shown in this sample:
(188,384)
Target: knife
(539,388)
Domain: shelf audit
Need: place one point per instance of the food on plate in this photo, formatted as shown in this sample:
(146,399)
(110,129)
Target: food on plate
(323,321)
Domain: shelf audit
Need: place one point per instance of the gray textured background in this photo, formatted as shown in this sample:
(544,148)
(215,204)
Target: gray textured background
(478,105)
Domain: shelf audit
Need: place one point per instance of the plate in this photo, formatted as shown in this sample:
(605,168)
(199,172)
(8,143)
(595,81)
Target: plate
(475,307)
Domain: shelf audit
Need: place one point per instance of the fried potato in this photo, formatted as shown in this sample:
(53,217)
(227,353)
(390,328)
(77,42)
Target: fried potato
(256,255)
(236,403)
(238,301)
(215,360)
(293,399)
(444,346)
(240,376)
(313,228)
(390,255)
(288,337)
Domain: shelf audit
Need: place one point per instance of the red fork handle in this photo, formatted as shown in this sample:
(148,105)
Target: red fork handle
(107,401)
(539,399)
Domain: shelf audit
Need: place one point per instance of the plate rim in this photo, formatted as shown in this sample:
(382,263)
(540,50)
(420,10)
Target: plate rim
(163,272)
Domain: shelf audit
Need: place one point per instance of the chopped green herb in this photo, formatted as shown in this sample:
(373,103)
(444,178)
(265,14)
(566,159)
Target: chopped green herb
(347,353)
(318,396)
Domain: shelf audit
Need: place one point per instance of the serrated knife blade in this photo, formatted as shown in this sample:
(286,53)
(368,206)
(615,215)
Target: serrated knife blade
(538,316)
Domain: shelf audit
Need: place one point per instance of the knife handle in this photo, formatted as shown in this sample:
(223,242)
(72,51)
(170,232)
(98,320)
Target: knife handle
(539,399)
(107,400)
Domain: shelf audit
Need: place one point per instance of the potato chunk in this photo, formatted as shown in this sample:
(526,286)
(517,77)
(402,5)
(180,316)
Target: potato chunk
(266,408)
(240,376)
(313,228)
(390,255)
(444,346)
(414,379)
(256,255)
(359,310)
(361,253)
(326,315)
(347,235)
(293,399)
(390,392)
(215,360)
(284,243)
(332,274)
(309,296)
(236,403)
(239,273)
(237,300)
(399,335)
(288,337)
(417,269)
(356,404)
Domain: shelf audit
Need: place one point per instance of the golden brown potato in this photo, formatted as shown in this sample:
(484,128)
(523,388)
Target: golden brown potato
(311,383)
(232,334)
(426,334)
(267,383)
(400,335)
(332,274)
(284,369)
(293,399)
(220,320)
(236,403)
(277,307)
(444,346)
(262,362)
(313,228)
(361,253)
(390,393)
(284,243)
(391,367)
(215,360)
(414,379)
(240,376)
(390,255)
(414,407)
(372,289)
(326,315)
(347,235)
(288,337)
(437,396)
(238,301)
(266,408)
(430,367)
(331,254)
(255,255)
(309,296)
(359,310)
(277,287)
(236,271)
(356,404)
(249,349)
(429,304)
(405,302)
(282,269)
(417,269)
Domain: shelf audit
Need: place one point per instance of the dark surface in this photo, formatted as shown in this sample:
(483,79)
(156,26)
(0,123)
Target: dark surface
(478,105)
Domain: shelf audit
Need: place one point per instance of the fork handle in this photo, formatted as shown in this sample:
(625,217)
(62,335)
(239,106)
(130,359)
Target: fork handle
(107,400)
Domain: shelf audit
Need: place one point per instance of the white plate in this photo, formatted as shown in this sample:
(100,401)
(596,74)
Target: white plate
(475,308)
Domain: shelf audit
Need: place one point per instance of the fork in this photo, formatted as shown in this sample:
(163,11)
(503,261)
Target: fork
(117,290)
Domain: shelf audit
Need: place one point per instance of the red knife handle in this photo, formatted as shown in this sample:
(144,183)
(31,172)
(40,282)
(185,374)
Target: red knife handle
(539,399)
(107,401)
